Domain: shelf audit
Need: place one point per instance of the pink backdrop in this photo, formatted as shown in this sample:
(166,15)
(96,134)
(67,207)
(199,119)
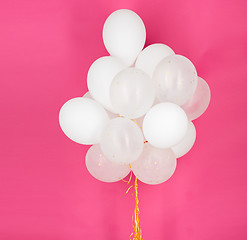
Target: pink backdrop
(46,48)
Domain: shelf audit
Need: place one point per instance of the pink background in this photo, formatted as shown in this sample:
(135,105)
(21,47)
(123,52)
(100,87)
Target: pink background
(46,48)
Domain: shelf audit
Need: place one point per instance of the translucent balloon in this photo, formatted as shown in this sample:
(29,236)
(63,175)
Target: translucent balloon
(122,141)
(165,125)
(132,93)
(199,102)
(149,58)
(103,169)
(186,143)
(124,35)
(99,79)
(83,120)
(155,165)
(176,79)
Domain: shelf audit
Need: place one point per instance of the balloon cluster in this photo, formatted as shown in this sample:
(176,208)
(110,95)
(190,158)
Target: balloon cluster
(139,109)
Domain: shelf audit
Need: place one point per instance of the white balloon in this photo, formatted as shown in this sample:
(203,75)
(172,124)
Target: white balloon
(103,169)
(155,165)
(176,79)
(83,120)
(99,79)
(151,56)
(124,35)
(132,93)
(122,141)
(199,102)
(165,125)
(186,143)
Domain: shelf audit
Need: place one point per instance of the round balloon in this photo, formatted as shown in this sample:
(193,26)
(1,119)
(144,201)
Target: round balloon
(165,125)
(122,141)
(155,165)
(83,120)
(199,102)
(103,169)
(149,58)
(186,143)
(132,93)
(176,79)
(99,79)
(124,35)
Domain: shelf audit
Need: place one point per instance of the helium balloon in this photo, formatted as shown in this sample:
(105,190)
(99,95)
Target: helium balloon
(124,35)
(165,125)
(149,58)
(103,169)
(186,143)
(132,93)
(155,165)
(83,120)
(99,79)
(176,79)
(122,141)
(199,102)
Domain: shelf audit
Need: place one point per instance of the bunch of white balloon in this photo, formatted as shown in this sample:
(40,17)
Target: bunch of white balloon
(139,107)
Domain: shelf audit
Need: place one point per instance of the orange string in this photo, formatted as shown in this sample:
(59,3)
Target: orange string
(136,123)
(137,229)
(137,233)
(128,182)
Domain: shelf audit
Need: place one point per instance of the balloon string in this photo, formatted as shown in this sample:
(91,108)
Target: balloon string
(128,182)
(137,233)
(137,229)
(137,123)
